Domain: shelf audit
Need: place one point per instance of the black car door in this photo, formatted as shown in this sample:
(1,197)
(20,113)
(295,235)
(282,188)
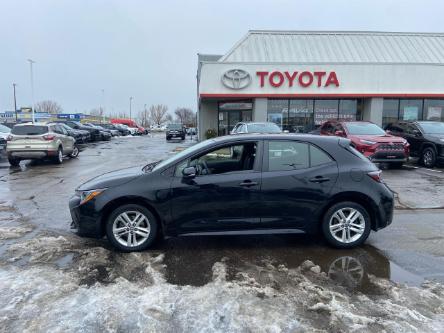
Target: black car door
(225,193)
(414,137)
(296,180)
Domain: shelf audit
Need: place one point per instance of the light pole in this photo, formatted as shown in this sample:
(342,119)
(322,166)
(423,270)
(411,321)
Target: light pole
(15,104)
(131,99)
(102,105)
(32,89)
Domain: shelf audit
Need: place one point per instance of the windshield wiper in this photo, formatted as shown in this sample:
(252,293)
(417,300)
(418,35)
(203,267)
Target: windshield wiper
(150,166)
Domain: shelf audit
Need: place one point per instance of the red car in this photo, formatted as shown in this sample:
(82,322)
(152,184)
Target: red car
(371,140)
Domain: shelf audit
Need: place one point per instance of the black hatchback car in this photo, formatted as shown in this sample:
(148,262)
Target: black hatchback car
(426,139)
(239,183)
(175,131)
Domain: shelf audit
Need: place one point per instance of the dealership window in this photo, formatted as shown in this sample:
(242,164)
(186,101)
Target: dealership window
(390,111)
(410,109)
(325,109)
(434,109)
(277,112)
(349,109)
(230,113)
(300,115)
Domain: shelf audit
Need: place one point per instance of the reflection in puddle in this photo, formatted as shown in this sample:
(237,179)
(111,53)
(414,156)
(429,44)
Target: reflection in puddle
(190,260)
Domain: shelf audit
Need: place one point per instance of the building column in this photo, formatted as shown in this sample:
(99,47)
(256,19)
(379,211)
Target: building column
(260,109)
(373,110)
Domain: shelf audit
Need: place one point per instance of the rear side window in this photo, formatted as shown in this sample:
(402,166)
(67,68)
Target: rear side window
(287,155)
(318,157)
(29,130)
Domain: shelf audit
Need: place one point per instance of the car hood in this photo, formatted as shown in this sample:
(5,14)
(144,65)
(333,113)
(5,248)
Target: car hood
(4,135)
(379,138)
(111,179)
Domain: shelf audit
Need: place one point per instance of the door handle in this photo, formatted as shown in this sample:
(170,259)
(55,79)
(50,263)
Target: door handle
(319,179)
(248,183)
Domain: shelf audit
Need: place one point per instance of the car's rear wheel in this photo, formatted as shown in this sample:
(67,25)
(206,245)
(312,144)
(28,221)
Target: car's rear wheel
(14,161)
(428,157)
(346,225)
(131,228)
(75,152)
(58,159)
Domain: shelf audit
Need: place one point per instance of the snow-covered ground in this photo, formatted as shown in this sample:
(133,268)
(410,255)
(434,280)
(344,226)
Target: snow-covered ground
(56,283)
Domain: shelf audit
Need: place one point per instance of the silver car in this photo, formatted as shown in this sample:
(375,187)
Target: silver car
(257,127)
(39,141)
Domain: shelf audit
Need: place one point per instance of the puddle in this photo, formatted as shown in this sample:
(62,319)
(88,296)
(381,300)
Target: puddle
(65,261)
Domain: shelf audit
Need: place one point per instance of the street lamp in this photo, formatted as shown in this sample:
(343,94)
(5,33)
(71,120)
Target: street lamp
(130,99)
(15,104)
(32,89)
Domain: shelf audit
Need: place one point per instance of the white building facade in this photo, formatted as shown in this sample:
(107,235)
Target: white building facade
(300,79)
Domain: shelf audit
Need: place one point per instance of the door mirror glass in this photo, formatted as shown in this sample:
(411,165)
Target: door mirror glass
(189,172)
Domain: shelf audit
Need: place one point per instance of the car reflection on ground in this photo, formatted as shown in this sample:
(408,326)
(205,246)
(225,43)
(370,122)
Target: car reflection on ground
(189,260)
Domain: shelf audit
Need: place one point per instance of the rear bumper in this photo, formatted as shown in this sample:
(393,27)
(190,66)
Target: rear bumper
(31,154)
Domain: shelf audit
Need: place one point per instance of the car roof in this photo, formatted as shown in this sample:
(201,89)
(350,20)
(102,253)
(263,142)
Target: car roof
(277,136)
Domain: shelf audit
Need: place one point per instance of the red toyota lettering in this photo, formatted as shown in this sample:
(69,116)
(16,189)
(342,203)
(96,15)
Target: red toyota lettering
(332,79)
(290,78)
(303,82)
(319,75)
(279,76)
(262,76)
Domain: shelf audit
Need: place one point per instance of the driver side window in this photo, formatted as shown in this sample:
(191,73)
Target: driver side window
(237,157)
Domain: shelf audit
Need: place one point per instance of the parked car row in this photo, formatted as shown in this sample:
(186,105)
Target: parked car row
(55,140)
(394,146)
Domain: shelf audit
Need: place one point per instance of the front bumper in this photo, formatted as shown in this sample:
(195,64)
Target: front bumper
(85,219)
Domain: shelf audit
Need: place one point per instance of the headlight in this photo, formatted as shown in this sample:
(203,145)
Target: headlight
(367,142)
(86,196)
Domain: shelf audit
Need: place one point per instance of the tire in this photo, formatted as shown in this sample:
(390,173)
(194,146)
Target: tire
(58,159)
(127,242)
(340,238)
(428,157)
(14,161)
(75,152)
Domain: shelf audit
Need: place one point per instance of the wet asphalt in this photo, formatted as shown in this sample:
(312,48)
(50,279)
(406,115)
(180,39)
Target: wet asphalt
(410,251)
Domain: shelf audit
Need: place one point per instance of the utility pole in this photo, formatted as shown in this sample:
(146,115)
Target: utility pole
(32,89)
(130,99)
(15,104)
(102,105)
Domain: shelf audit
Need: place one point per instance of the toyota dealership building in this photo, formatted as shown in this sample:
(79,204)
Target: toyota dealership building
(299,79)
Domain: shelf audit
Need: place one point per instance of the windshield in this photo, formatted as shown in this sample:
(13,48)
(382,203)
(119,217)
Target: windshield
(263,128)
(364,129)
(29,130)
(183,153)
(174,126)
(4,129)
(432,127)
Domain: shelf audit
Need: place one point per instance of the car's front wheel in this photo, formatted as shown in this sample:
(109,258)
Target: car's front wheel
(75,152)
(131,228)
(428,157)
(346,225)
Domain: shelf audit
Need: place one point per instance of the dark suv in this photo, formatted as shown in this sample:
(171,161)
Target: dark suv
(426,139)
(175,131)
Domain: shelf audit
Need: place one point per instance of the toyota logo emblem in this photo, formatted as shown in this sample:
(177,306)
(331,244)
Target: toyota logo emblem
(236,79)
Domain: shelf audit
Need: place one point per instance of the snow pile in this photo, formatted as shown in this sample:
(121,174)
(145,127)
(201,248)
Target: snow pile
(107,291)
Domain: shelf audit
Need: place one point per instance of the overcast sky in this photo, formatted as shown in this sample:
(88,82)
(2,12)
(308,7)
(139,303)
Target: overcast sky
(148,49)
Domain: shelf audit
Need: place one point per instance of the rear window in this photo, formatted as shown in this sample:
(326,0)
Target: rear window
(175,126)
(29,130)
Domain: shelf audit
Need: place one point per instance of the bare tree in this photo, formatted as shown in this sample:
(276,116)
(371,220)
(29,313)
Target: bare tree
(185,116)
(158,114)
(144,118)
(48,107)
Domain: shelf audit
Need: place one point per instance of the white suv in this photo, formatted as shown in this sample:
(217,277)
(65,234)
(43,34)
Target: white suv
(39,141)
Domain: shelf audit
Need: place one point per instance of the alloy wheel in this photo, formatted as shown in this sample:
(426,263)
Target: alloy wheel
(75,152)
(427,158)
(131,228)
(60,156)
(347,225)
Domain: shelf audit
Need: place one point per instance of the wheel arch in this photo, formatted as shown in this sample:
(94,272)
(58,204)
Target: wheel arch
(356,197)
(128,200)
(428,145)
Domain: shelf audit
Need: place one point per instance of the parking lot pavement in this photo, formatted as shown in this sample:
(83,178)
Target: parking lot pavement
(52,280)
(416,186)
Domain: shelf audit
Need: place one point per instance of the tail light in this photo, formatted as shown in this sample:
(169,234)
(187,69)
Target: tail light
(376,176)
(49,137)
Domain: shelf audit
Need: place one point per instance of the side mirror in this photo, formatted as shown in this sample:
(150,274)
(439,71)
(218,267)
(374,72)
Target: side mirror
(339,133)
(416,133)
(189,172)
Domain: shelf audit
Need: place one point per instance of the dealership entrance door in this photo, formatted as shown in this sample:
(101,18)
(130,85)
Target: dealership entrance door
(230,113)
